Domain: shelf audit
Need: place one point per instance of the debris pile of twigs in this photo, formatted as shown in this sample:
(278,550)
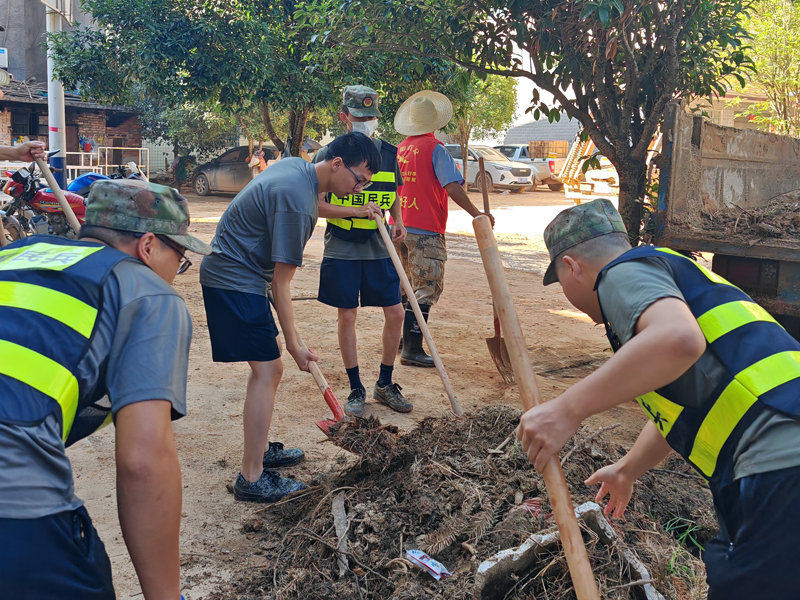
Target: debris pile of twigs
(452,488)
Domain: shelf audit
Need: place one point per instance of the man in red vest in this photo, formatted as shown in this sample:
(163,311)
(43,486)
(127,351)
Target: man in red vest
(430,175)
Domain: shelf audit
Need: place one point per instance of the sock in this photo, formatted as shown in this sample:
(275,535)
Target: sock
(386,375)
(355,379)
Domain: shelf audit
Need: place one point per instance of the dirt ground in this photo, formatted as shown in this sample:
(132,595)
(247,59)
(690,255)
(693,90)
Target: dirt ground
(563,346)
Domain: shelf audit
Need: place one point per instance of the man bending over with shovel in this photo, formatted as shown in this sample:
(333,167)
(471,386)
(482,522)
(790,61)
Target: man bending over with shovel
(259,243)
(718,377)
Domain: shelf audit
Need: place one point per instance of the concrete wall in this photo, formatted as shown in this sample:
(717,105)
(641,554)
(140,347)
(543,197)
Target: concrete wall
(542,130)
(25,24)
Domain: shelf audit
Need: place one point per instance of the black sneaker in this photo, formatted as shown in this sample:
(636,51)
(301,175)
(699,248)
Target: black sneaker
(270,487)
(354,407)
(391,397)
(277,456)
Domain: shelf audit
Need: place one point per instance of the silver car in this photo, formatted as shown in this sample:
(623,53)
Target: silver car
(501,173)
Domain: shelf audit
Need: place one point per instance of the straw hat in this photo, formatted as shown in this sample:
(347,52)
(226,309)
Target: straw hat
(422,113)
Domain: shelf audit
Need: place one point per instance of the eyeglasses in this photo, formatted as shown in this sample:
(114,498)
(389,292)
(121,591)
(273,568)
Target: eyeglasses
(185,262)
(361,184)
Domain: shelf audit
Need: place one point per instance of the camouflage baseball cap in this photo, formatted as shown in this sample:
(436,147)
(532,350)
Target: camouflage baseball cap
(139,206)
(361,101)
(579,224)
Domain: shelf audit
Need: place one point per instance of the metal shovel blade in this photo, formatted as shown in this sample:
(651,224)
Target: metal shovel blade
(499,353)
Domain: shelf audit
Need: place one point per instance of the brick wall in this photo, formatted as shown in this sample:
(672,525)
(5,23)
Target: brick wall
(90,125)
(5,128)
(130,131)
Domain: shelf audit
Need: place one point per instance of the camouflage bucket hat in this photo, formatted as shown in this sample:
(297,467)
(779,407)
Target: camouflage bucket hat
(139,206)
(361,101)
(579,224)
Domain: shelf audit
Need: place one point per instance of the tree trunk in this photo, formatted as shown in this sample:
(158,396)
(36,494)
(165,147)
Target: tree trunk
(297,127)
(265,117)
(631,193)
(250,141)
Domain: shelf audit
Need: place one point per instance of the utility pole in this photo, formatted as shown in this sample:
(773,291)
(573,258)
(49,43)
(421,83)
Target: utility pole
(55,107)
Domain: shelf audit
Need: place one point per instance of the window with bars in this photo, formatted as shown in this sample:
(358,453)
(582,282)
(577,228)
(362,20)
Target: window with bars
(20,123)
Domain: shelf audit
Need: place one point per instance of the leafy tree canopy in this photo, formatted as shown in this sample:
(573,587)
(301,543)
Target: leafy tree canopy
(230,53)
(775,50)
(611,64)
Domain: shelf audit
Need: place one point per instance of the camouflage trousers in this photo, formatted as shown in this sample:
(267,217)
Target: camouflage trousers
(423,258)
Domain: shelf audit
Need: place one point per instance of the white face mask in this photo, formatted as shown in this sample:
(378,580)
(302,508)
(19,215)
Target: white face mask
(365,127)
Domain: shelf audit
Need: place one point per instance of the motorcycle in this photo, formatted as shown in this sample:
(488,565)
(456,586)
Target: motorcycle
(81,185)
(35,209)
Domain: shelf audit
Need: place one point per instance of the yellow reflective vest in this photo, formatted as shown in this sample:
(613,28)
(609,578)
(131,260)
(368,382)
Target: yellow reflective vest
(382,192)
(50,296)
(755,363)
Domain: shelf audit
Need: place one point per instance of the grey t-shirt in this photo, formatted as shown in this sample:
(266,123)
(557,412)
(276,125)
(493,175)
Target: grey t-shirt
(626,290)
(374,248)
(269,221)
(142,337)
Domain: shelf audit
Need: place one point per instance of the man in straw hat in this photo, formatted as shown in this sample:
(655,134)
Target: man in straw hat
(356,263)
(94,333)
(430,175)
(718,377)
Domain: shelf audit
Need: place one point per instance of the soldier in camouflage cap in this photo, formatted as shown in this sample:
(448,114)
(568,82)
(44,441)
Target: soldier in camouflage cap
(579,224)
(361,101)
(141,207)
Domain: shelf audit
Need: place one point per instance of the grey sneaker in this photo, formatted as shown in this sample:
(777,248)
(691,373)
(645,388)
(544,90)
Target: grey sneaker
(354,407)
(270,487)
(277,456)
(391,397)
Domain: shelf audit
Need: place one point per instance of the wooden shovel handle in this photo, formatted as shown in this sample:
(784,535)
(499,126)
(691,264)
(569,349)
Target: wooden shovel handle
(482,170)
(569,530)
(322,384)
(412,299)
(62,200)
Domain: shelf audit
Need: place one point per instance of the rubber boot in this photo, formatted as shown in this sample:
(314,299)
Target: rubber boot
(413,354)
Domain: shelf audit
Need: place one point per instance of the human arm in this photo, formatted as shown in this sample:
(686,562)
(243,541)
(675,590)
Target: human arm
(460,197)
(667,334)
(335,211)
(281,293)
(398,229)
(617,480)
(26,152)
(149,495)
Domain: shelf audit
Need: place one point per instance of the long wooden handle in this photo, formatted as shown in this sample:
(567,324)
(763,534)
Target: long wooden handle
(62,200)
(322,384)
(482,169)
(420,319)
(569,530)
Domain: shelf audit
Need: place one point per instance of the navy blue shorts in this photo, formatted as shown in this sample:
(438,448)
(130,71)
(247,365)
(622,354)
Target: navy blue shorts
(756,552)
(58,556)
(240,326)
(341,282)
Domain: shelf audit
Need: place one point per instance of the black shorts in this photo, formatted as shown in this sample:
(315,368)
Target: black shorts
(342,281)
(241,326)
(755,554)
(57,556)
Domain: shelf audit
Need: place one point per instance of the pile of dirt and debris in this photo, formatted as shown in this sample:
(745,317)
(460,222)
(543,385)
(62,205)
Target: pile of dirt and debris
(779,218)
(453,489)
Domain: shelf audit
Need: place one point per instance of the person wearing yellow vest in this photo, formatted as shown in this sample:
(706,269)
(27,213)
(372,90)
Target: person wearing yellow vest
(430,177)
(717,376)
(356,263)
(93,333)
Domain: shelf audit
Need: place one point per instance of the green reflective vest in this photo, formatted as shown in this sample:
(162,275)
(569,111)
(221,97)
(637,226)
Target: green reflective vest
(382,192)
(754,362)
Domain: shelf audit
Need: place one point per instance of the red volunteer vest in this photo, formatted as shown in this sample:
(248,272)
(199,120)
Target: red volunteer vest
(422,198)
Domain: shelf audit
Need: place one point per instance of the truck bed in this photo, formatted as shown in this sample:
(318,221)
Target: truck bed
(711,172)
